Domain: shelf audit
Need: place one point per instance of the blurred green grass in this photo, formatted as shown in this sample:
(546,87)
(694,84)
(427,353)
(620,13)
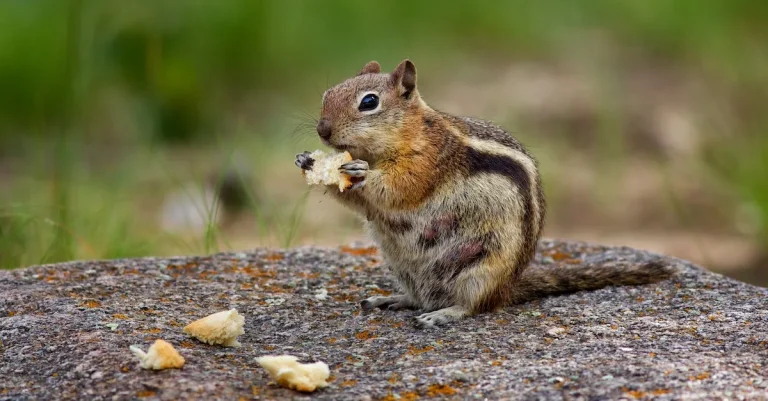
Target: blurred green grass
(92,90)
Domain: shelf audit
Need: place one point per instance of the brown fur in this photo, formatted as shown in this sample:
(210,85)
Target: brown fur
(542,281)
(455,203)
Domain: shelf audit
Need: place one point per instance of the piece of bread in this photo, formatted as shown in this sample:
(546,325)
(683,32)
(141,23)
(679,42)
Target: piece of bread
(161,355)
(287,372)
(325,169)
(220,328)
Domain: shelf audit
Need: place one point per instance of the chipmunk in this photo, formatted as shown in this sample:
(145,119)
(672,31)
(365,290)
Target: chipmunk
(455,204)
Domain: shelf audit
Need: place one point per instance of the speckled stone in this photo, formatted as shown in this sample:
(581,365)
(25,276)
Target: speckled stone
(66,328)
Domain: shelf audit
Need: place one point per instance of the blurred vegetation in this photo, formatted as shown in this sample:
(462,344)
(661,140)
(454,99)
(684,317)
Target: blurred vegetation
(96,96)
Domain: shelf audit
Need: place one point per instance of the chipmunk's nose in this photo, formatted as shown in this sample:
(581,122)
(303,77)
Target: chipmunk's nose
(324,128)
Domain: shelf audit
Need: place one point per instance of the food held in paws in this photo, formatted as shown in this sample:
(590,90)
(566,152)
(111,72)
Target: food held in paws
(325,169)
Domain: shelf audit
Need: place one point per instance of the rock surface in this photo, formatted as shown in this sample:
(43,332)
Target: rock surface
(65,332)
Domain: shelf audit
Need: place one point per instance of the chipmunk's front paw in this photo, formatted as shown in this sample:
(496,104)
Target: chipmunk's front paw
(355,168)
(304,161)
(358,170)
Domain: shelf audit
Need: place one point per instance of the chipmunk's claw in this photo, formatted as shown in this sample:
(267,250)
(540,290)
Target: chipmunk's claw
(422,324)
(355,168)
(304,161)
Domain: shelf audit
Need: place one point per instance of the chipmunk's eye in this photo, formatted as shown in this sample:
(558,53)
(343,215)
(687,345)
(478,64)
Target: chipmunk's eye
(369,102)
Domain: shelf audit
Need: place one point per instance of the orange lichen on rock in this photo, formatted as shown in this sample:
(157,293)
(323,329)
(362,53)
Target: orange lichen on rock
(365,335)
(564,257)
(344,298)
(409,396)
(366,251)
(91,304)
(440,389)
(379,291)
(701,376)
(274,257)
(417,351)
(348,383)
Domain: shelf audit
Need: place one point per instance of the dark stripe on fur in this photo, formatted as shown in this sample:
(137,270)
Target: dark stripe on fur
(460,258)
(426,242)
(393,225)
(480,162)
(485,130)
(399,226)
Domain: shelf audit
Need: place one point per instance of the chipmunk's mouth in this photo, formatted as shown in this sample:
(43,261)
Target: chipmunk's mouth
(340,148)
(329,144)
(353,150)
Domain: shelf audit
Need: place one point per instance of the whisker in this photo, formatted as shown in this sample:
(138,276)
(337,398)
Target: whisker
(304,128)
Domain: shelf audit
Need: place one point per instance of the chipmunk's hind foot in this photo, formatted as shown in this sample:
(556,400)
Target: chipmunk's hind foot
(396,302)
(441,317)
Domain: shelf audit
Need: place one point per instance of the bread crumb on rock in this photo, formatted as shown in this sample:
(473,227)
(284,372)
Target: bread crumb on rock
(161,355)
(221,328)
(289,373)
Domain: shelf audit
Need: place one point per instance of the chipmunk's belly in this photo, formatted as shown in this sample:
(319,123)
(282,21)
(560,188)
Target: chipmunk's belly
(412,262)
(429,250)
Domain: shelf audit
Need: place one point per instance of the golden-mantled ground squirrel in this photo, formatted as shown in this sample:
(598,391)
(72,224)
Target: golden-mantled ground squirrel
(455,203)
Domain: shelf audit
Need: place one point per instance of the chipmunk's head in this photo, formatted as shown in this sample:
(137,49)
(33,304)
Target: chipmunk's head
(365,113)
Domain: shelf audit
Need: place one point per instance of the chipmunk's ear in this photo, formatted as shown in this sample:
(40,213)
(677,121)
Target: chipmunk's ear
(371,68)
(404,77)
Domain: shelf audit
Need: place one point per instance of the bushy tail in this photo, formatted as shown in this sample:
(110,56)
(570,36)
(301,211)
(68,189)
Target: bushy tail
(539,282)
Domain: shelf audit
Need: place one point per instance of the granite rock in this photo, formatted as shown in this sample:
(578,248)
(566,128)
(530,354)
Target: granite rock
(65,330)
